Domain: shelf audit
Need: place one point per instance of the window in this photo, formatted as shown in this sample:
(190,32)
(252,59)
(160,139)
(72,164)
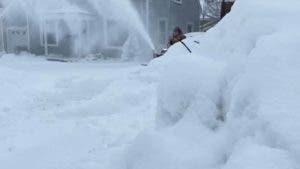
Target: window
(51,39)
(178,1)
(162,31)
(49,30)
(189,28)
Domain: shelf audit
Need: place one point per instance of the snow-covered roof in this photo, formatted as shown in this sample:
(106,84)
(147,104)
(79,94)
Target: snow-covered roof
(46,9)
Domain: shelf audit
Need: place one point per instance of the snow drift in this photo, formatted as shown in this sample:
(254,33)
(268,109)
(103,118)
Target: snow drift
(233,103)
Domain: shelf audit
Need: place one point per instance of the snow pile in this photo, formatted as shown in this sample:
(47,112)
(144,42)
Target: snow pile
(233,103)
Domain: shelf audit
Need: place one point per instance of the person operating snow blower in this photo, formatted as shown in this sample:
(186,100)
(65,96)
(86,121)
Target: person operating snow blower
(177,36)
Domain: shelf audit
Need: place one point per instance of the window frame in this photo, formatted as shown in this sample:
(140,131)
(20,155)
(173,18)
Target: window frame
(177,1)
(42,33)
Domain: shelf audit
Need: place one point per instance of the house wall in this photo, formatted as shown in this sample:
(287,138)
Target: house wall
(172,13)
(1,36)
(13,19)
(15,30)
(159,11)
(16,18)
(185,13)
(97,33)
(159,17)
(140,6)
(35,41)
(65,41)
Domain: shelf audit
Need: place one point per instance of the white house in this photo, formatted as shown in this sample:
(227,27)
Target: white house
(69,30)
(76,28)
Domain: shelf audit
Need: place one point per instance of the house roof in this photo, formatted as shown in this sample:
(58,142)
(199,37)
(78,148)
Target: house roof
(72,9)
(5,8)
(44,9)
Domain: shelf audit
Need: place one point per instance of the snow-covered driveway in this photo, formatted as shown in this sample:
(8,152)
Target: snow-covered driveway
(71,115)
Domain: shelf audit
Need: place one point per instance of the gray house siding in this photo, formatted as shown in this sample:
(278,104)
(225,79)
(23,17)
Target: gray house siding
(159,22)
(186,13)
(63,48)
(35,46)
(162,16)
(64,45)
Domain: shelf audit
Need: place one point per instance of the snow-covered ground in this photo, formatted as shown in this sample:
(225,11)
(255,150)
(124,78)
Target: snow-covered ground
(70,115)
(231,104)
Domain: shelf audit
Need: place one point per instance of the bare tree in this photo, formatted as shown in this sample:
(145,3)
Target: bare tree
(211,13)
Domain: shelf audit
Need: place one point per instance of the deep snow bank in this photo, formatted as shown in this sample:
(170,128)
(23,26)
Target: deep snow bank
(246,72)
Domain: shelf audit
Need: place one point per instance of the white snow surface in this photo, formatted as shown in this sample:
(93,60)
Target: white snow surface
(231,104)
(70,115)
